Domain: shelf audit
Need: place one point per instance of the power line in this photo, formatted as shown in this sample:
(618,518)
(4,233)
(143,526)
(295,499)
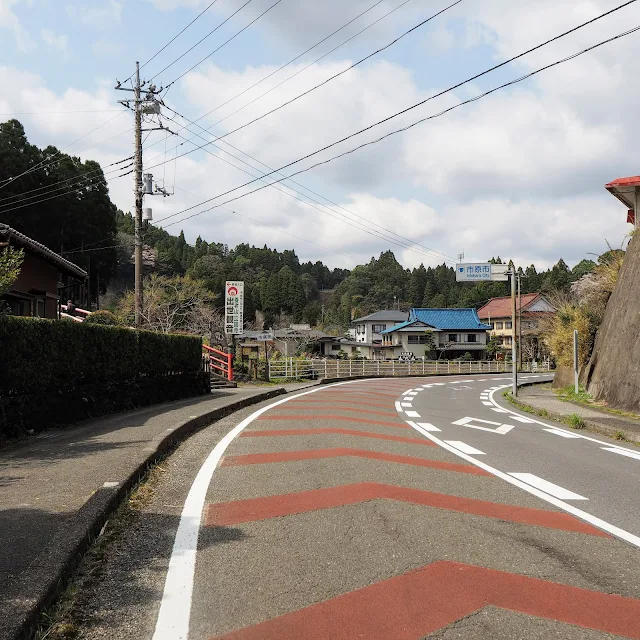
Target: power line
(286,64)
(293,60)
(334,214)
(426,251)
(264,224)
(6,181)
(325,81)
(201,40)
(157,53)
(38,113)
(512,82)
(235,35)
(333,77)
(18,197)
(452,88)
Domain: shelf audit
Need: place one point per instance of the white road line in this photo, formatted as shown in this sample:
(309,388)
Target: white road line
(398,407)
(439,384)
(175,606)
(407,404)
(412,394)
(565,506)
(422,426)
(556,428)
(464,448)
(623,452)
(427,426)
(548,487)
(406,393)
(412,414)
(523,419)
(498,410)
(557,432)
(426,386)
(487,403)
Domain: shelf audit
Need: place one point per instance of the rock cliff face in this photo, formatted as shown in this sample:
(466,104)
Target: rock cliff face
(613,373)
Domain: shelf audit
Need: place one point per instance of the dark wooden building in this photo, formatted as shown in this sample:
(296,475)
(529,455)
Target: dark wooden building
(45,277)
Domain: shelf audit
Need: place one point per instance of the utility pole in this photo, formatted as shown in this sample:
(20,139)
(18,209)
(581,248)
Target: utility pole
(514,356)
(148,105)
(137,191)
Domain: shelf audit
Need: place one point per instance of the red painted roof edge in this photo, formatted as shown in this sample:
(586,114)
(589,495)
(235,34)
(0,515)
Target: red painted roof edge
(623,182)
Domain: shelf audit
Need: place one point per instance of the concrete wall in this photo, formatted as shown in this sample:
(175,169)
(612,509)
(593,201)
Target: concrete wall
(613,373)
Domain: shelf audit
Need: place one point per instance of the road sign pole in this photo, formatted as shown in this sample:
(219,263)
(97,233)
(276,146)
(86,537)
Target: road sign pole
(514,354)
(575,360)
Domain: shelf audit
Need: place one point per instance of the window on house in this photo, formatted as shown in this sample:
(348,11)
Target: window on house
(507,341)
(508,325)
(360,329)
(335,347)
(419,339)
(472,337)
(453,337)
(498,325)
(379,328)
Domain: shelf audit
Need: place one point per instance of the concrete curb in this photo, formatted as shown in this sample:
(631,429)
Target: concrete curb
(589,425)
(54,567)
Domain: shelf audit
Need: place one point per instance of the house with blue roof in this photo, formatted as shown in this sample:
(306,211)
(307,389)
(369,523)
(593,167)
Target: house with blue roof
(444,334)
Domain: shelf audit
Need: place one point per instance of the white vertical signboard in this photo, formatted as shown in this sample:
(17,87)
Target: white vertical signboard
(234,307)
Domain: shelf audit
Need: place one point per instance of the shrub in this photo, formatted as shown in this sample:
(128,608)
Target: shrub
(103,317)
(54,372)
(575,421)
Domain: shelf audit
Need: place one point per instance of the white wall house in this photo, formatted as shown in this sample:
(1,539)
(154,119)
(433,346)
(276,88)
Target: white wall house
(368,329)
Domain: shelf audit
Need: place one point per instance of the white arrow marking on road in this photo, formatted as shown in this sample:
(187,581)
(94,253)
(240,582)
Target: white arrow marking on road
(548,487)
(499,427)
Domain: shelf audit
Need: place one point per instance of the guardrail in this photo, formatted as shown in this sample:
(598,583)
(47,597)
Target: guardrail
(290,368)
(218,362)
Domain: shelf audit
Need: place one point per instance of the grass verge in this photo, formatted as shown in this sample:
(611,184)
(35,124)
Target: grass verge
(568,394)
(64,620)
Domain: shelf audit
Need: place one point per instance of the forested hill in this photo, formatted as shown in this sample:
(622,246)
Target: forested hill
(64,203)
(285,290)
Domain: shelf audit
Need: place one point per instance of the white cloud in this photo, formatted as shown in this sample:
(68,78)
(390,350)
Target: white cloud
(108,12)
(9,20)
(55,41)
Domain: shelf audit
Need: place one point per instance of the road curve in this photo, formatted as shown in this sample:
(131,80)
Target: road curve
(403,509)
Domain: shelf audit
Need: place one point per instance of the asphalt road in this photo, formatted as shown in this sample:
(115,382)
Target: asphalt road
(352,511)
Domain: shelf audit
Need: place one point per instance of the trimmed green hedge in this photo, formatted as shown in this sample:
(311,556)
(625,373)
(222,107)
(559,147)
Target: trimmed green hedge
(53,372)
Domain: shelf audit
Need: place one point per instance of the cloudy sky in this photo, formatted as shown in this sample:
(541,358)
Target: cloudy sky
(518,174)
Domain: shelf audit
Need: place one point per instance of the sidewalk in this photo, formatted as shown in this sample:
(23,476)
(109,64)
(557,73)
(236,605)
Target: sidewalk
(609,424)
(58,489)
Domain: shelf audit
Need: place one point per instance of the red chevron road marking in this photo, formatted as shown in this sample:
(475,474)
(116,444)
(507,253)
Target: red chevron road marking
(324,404)
(253,509)
(302,418)
(345,399)
(318,454)
(334,430)
(410,606)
